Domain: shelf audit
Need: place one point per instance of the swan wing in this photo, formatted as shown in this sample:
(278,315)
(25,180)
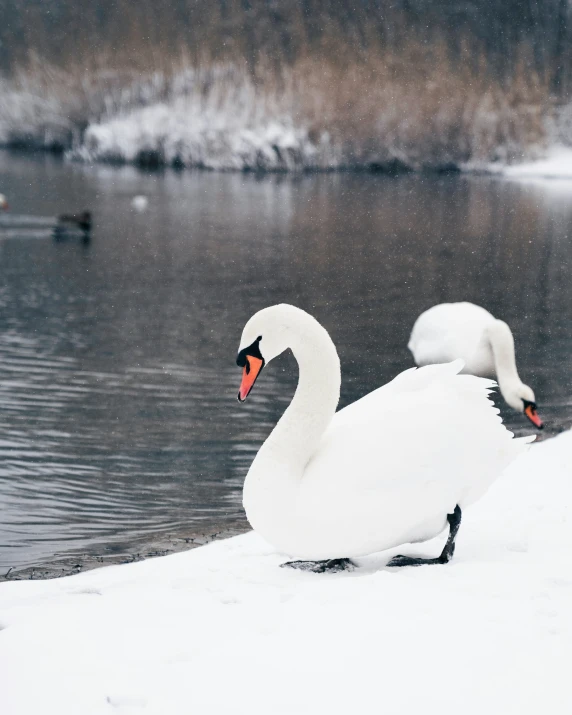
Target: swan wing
(413,380)
(399,460)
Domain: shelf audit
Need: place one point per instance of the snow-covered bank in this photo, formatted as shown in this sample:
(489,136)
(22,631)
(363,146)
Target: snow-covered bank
(555,164)
(389,112)
(184,134)
(222,629)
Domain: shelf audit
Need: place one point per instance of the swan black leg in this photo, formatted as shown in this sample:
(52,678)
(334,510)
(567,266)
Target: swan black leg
(454,520)
(327,566)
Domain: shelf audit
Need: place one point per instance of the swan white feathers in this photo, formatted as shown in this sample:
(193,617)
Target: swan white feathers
(384,471)
(449,331)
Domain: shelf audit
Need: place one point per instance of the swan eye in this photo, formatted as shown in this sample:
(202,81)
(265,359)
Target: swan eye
(252,350)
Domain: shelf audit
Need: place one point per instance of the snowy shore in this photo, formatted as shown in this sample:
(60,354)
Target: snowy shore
(555,164)
(220,120)
(222,629)
(310,116)
(183,134)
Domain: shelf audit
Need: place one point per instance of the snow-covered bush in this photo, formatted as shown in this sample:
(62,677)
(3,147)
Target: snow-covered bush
(413,110)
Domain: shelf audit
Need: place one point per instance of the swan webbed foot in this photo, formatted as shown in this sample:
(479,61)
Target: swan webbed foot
(327,566)
(454,520)
(412,561)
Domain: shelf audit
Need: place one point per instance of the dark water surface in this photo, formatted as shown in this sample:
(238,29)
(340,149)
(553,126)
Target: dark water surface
(118,412)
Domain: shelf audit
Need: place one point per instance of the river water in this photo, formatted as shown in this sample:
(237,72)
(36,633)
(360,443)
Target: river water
(118,412)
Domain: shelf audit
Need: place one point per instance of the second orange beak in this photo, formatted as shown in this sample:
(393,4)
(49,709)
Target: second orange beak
(532,415)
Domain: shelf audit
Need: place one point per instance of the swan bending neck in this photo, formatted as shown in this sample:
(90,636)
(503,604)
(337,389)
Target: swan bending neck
(502,344)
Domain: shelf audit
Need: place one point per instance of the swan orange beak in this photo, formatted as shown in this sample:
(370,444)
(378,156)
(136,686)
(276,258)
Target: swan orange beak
(251,371)
(532,414)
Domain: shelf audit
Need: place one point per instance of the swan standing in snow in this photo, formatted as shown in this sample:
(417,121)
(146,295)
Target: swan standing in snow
(3,203)
(392,468)
(463,330)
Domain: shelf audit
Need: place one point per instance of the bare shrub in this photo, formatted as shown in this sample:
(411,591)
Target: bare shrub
(334,106)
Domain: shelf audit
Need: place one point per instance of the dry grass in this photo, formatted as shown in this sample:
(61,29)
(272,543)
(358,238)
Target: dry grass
(420,109)
(415,107)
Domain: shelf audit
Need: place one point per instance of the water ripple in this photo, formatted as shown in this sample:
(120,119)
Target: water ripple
(118,411)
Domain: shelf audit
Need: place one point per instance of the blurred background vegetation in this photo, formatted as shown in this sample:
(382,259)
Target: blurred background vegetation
(408,83)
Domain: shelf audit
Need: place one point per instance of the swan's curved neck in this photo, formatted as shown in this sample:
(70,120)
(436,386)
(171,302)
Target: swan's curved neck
(297,433)
(502,343)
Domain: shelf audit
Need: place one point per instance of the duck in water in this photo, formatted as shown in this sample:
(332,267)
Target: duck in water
(70,223)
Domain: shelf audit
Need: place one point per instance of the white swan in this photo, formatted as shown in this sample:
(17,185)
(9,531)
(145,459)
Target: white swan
(3,203)
(389,469)
(463,330)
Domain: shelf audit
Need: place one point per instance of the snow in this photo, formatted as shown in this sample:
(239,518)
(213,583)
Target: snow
(556,164)
(222,629)
(186,132)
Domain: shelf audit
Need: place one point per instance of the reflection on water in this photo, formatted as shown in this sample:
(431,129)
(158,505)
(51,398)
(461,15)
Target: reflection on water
(118,416)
